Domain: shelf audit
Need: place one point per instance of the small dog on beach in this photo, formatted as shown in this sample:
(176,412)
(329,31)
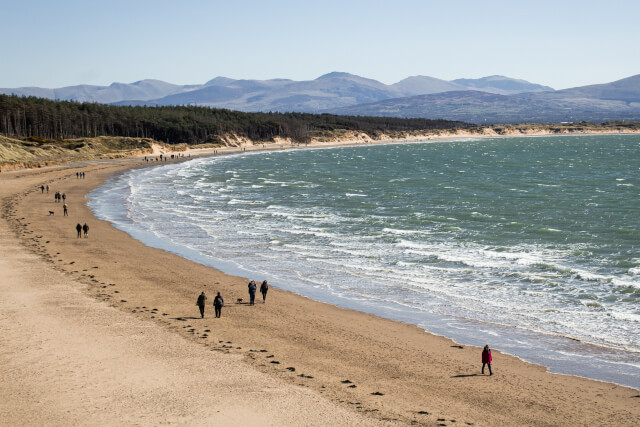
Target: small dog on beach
(51,213)
(239,301)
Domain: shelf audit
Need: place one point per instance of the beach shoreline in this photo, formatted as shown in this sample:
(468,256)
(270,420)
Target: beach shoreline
(400,373)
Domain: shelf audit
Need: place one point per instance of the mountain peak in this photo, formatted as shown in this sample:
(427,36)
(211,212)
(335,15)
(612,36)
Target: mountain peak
(219,81)
(338,74)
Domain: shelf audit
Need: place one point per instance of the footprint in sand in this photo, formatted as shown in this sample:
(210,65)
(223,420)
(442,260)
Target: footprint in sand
(291,368)
(346,382)
(377,393)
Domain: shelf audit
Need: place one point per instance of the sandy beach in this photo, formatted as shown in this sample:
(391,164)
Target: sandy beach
(104,330)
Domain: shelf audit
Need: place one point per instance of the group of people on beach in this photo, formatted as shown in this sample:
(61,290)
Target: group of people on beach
(79,175)
(164,157)
(82,228)
(58,197)
(218,301)
(264,288)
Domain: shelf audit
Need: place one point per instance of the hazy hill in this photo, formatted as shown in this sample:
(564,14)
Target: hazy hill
(424,85)
(501,85)
(627,90)
(142,90)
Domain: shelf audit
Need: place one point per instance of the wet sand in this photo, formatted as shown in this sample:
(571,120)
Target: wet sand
(105,330)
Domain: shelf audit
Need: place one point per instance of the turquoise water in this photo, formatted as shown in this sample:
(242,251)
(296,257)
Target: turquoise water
(530,244)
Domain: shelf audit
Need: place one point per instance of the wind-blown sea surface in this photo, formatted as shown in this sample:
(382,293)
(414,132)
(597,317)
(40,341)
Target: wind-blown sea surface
(529,244)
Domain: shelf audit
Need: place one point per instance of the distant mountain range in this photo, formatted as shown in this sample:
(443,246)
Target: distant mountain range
(494,99)
(333,90)
(619,100)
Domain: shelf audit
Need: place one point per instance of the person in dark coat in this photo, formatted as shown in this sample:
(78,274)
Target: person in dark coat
(79,230)
(486,358)
(264,288)
(252,292)
(218,302)
(202,300)
(85,228)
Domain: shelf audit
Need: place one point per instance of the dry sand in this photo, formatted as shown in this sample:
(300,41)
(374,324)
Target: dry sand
(104,330)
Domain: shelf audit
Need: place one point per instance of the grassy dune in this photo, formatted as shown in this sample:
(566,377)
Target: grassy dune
(37,152)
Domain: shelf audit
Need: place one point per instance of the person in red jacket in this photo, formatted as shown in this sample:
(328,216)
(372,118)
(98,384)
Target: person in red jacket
(486,358)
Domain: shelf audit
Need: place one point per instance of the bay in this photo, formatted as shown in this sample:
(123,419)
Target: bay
(529,244)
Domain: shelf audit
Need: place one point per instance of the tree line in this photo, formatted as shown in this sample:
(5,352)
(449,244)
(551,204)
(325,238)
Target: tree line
(24,117)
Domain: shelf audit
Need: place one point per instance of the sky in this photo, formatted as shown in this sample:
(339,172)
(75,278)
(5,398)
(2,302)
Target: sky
(561,43)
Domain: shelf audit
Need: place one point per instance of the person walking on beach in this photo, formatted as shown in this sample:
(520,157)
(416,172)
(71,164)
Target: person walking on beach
(486,358)
(202,300)
(252,292)
(47,189)
(42,189)
(218,302)
(79,230)
(65,211)
(264,287)
(85,228)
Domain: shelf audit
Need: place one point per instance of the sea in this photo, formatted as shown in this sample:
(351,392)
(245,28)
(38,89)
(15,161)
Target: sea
(529,244)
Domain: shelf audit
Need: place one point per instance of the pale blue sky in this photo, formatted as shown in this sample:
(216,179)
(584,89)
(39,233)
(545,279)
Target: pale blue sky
(558,43)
